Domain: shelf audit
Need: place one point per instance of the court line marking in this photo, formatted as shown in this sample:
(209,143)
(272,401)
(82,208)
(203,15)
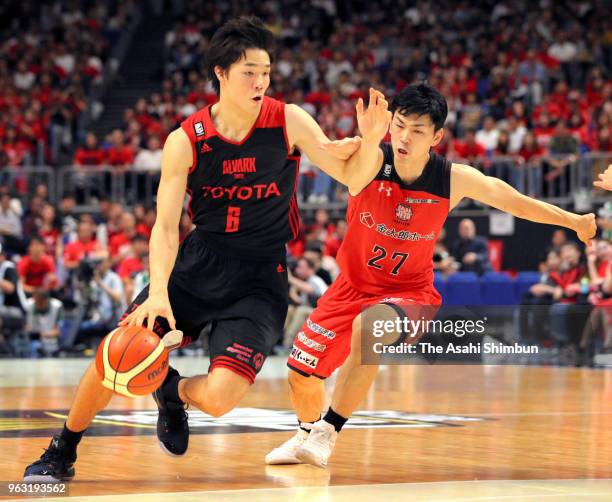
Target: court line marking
(108,422)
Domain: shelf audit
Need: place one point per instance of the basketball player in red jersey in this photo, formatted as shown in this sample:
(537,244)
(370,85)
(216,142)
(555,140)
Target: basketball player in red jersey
(605,179)
(236,160)
(386,261)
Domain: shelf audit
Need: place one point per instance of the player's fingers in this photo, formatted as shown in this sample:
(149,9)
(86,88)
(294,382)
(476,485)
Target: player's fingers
(359,106)
(171,320)
(151,321)
(599,184)
(372,102)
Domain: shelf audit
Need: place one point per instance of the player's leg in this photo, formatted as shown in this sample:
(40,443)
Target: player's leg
(319,347)
(352,385)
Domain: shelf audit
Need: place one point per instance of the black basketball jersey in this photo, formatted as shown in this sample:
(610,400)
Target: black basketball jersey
(242,194)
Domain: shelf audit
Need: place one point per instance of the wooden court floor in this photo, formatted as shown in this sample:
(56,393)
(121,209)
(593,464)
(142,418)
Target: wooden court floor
(425,433)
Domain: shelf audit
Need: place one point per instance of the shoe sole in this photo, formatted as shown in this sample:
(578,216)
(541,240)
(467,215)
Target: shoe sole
(307,457)
(45,479)
(168,452)
(284,461)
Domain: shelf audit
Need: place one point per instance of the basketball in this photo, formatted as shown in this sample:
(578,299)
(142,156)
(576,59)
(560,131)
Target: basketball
(132,361)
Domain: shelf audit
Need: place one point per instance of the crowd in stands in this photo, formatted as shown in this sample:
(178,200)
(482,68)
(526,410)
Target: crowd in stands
(528,85)
(51,55)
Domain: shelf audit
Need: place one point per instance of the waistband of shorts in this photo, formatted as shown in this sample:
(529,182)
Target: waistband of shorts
(250,254)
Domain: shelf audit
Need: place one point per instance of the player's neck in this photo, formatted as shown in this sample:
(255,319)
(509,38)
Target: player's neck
(230,121)
(410,169)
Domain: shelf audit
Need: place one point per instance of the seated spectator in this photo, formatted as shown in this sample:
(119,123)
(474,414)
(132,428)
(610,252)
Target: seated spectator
(488,135)
(443,262)
(335,238)
(564,150)
(533,313)
(37,269)
(470,250)
(43,317)
(133,262)
(530,155)
(571,309)
(85,247)
(314,253)
(119,154)
(306,287)
(90,154)
(120,243)
(469,149)
(11,230)
(149,158)
(145,227)
(11,300)
(49,231)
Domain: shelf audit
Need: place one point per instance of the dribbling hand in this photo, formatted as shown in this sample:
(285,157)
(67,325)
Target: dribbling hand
(605,179)
(586,228)
(153,307)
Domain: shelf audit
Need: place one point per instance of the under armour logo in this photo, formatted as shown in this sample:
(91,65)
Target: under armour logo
(55,443)
(387,170)
(382,188)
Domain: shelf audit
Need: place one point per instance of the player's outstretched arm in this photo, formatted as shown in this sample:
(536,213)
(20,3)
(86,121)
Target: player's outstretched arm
(469,182)
(177,158)
(360,169)
(605,179)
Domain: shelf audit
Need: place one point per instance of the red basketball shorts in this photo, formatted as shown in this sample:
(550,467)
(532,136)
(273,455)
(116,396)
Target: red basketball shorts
(324,342)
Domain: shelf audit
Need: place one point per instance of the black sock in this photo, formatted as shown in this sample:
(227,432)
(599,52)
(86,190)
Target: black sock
(170,387)
(331,417)
(71,439)
(304,428)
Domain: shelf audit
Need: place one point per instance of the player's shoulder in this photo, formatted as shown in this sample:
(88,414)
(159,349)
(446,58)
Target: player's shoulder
(196,125)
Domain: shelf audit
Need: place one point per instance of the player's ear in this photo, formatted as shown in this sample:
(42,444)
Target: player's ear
(438,135)
(220,73)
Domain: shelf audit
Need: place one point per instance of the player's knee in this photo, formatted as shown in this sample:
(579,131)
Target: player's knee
(216,404)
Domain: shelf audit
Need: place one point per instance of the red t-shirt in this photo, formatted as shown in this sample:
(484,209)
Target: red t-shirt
(50,239)
(33,272)
(117,242)
(466,151)
(89,157)
(130,266)
(77,250)
(120,156)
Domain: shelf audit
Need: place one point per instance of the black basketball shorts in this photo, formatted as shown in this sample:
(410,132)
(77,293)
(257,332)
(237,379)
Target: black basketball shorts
(244,300)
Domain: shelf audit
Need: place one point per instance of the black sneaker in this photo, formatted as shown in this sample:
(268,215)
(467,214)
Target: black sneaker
(55,465)
(172,424)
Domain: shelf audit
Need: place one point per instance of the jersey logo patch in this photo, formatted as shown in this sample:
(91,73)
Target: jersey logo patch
(383,188)
(403,213)
(205,148)
(367,220)
(198,127)
(387,171)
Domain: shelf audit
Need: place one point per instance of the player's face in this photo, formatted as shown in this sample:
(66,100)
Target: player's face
(412,136)
(247,80)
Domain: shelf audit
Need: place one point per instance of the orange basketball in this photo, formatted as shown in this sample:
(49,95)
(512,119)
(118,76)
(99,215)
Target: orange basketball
(132,361)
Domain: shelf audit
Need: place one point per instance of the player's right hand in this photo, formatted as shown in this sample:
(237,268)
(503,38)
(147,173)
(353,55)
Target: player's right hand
(153,307)
(586,228)
(374,122)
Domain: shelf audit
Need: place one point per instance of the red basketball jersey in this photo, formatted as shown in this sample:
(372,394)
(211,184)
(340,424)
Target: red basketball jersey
(392,229)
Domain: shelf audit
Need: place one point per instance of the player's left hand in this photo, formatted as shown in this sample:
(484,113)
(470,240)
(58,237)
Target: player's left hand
(605,179)
(342,149)
(374,122)
(586,228)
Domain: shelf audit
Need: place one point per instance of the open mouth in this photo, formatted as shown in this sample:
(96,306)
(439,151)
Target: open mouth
(257,99)
(402,151)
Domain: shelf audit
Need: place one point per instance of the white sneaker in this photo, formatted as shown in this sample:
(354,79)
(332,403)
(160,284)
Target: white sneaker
(319,444)
(285,453)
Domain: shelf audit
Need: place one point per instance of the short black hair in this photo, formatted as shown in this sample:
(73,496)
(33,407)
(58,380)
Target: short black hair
(421,99)
(315,246)
(230,42)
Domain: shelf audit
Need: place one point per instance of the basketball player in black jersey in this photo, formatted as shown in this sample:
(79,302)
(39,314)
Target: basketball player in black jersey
(236,160)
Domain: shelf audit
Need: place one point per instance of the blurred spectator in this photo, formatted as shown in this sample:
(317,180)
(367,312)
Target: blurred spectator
(306,287)
(564,148)
(49,231)
(470,250)
(11,232)
(314,254)
(335,238)
(443,262)
(43,318)
(488,135)
(85,247)
(90,154)
(118,154)
(530,155)
(37,269)
(11,300)
(470,150)
(133,262)
(120,243)
(149,158)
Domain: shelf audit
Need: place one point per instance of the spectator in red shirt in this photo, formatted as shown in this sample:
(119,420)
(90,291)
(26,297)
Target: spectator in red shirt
(145,227)
(469,149)
(84,247)
(119,154)
(334,241)
(90,154)
(133,263)
(119,244)
(530,157)
(49,231)
(37,269)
